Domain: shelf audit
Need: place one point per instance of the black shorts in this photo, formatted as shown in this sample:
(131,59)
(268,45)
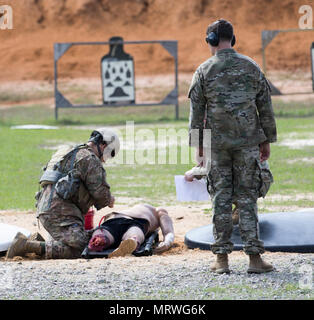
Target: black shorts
(119,226)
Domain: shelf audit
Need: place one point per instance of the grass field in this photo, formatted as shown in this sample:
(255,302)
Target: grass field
(25,152)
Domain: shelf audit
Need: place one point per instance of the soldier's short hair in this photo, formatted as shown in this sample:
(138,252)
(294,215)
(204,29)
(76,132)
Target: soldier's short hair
(222,28)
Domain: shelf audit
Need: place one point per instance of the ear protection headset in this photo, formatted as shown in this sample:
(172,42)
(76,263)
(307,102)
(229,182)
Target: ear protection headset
(213,38)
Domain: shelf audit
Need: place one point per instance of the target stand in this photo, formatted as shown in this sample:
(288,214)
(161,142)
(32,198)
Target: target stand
(117,75)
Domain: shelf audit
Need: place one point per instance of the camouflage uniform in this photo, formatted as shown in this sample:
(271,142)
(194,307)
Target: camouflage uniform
(232,94)
(64,219)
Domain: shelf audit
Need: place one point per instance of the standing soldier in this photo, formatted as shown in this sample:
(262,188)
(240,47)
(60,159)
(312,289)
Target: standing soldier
(231,91)
(73,181)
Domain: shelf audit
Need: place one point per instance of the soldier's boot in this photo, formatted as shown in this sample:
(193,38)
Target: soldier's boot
(221,264)
(125,247)
(21,246)
(36,237)
(235,216)
(258,265)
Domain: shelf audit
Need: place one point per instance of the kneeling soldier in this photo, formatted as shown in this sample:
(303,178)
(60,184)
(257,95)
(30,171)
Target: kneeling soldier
(73,181)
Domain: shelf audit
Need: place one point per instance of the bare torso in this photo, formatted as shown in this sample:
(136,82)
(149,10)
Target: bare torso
(142,211)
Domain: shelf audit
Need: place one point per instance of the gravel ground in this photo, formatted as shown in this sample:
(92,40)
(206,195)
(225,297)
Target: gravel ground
(180,275)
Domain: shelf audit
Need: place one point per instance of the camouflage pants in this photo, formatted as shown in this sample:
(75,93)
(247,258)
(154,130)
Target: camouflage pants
(234,176)
(69,236)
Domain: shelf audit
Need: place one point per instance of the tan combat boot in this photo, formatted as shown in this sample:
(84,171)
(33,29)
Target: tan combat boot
(21,245)
(221,264)
(258,265)
(125,247)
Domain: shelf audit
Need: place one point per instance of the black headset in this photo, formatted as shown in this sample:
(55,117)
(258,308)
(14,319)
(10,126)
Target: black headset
(213,38)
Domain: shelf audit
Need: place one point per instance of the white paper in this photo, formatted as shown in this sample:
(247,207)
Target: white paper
(191,191)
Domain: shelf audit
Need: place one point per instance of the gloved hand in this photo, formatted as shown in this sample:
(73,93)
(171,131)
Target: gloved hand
(197,172)
(166,244)
(188,176)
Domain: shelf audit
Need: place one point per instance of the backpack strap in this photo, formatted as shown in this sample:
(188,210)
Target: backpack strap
(62,174)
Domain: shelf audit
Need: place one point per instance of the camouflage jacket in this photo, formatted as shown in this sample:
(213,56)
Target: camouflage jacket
(230,95)
(93,188)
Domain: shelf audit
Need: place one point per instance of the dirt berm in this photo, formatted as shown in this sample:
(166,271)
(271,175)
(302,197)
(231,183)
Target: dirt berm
(27,50)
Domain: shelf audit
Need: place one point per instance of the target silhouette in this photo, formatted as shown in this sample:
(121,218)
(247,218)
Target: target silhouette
(117,68)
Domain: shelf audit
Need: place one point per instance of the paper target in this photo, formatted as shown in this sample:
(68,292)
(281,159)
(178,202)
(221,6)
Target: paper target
(118,80)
